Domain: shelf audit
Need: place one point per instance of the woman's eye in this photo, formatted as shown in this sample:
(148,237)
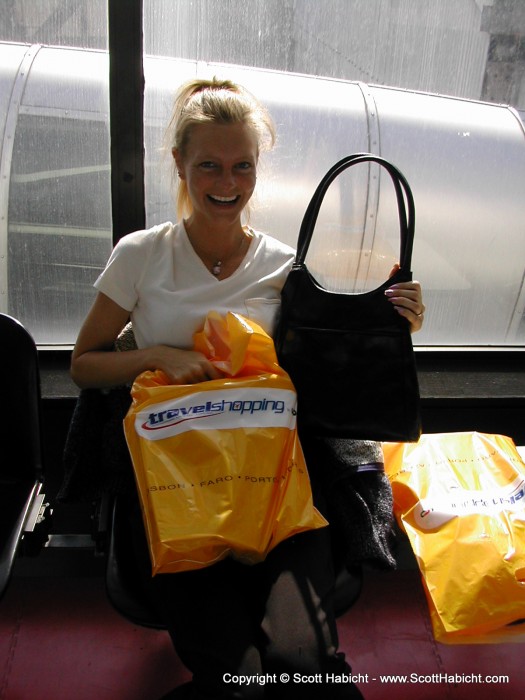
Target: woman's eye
(207,165)
(246,165)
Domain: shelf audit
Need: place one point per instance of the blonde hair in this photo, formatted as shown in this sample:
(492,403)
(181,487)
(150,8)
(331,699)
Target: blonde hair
(217,102)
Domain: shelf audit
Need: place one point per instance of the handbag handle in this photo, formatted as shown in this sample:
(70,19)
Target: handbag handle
(403,192)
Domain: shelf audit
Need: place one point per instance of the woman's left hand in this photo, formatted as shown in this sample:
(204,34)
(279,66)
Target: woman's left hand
(407,299)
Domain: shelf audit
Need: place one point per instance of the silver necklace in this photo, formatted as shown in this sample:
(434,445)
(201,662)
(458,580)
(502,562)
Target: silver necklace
(216,268)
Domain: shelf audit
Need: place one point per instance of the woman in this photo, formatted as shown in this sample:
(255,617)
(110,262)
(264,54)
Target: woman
(227,620)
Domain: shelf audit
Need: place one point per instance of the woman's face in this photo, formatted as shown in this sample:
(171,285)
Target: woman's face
(219,165)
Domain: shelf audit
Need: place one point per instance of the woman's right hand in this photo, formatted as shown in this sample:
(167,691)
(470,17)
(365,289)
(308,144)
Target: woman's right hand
(182,366)
(94,364)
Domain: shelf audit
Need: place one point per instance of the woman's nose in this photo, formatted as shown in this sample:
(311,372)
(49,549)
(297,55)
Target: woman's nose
(227,178)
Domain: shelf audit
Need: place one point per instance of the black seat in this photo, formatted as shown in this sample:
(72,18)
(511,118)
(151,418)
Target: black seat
(21,468)
(97,469)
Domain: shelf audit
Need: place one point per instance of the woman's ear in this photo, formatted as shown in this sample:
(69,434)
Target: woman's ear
(178,160)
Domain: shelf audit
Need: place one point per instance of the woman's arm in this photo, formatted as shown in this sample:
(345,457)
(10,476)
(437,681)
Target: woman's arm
(95,365)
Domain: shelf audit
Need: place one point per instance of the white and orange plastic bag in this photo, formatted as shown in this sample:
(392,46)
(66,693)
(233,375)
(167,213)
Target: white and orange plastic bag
(460,498)
(218,465)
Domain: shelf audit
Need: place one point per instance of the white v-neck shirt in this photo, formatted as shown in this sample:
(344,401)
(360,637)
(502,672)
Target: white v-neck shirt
(157,276)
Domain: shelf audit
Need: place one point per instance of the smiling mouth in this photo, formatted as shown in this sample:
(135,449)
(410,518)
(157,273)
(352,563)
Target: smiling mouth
(223,201)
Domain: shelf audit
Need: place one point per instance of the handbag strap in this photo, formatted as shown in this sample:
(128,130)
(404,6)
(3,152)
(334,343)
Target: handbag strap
(405,203)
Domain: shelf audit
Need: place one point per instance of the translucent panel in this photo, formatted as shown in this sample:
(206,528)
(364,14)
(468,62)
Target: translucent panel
(356,240)
(466,162)
(55,214)
(160,76)
(55,188)
(80,23)
(465,159)
(430,45)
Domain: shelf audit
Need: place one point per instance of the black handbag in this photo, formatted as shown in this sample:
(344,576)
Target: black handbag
(350,356)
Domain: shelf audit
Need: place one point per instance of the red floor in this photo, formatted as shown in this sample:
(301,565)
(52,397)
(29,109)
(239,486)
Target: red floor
(61,640)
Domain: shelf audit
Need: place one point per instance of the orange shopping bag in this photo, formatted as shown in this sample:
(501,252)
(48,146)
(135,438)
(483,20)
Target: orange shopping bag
(460,498)
(218,465)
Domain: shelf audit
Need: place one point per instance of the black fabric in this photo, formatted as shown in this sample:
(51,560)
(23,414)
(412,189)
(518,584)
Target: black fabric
(350,356)
(96,459)
(359,504)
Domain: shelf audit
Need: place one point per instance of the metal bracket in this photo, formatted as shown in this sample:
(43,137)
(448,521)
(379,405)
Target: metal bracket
(37,513)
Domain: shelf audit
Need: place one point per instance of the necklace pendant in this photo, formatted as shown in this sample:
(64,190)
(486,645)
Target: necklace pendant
(216,269)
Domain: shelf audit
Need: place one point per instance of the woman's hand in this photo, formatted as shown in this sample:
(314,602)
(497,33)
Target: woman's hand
(95,365)
(182,366)
(407,299)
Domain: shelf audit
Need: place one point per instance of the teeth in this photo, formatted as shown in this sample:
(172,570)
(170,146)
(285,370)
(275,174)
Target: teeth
(223,199)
